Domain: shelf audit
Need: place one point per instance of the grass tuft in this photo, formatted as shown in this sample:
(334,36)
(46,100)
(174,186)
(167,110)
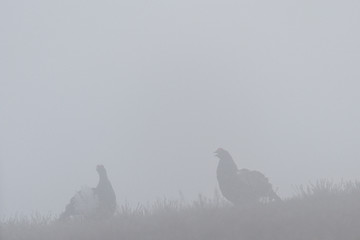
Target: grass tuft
(323,210)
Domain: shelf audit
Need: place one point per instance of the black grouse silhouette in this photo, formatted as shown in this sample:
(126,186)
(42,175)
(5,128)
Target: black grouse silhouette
(99,202)
(242,186)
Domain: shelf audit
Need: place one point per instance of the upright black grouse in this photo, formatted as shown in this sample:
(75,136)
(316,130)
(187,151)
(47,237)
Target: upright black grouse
(242,186)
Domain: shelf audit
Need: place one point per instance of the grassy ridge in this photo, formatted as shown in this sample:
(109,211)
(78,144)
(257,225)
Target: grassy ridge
(324,210)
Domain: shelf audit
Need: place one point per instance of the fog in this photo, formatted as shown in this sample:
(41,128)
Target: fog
(151,89)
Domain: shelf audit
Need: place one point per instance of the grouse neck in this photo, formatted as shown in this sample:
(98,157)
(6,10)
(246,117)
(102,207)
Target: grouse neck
(227,163)
(103,179)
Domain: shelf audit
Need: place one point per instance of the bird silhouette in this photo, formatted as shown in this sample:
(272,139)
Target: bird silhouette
(242,186)
(98,202)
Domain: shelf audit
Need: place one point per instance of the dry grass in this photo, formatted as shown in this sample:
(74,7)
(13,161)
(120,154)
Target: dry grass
(323,210)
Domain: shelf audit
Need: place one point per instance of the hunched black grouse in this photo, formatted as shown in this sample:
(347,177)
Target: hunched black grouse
(98,202)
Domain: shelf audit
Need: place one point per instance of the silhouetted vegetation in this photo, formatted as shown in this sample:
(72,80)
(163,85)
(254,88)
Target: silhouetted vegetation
(324,210)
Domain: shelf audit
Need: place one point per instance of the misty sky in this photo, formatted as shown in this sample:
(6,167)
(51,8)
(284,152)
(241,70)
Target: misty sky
(150,89)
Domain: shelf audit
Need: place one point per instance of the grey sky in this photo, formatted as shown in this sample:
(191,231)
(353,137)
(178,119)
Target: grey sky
(151,88)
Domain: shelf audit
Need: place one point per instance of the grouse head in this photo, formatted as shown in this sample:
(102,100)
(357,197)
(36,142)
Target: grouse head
(222,154)
(101,170)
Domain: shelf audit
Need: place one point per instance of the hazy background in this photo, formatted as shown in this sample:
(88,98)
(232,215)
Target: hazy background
(151,88)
